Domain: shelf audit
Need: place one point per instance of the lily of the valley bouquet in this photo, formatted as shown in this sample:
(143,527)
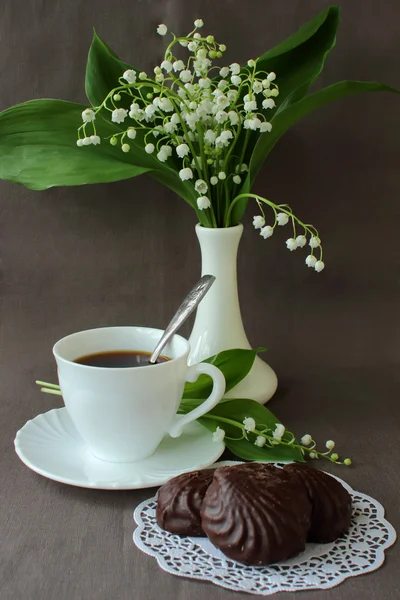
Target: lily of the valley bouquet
(198,118)
(203,128)
(200,127)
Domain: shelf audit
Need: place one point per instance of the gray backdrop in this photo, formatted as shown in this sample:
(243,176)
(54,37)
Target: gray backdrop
(125,253)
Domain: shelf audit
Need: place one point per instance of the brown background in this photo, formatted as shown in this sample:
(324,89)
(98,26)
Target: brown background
(125,253)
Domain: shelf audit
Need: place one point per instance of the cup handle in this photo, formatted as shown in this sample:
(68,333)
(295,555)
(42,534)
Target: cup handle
(217,392)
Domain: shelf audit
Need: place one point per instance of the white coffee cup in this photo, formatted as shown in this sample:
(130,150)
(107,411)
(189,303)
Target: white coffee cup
(122,414)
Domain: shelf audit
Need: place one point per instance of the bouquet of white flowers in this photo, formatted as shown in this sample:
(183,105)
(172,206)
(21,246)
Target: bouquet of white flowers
(200,125)
(202,129)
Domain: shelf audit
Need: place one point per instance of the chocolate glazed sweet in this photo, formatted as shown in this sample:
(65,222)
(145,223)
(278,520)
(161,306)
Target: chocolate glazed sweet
(331,503)
(256,514)
(179,502)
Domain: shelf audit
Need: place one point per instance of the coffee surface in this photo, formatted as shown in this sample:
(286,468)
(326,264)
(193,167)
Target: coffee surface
(118,359)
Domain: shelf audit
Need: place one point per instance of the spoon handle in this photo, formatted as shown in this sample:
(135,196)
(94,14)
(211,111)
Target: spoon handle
(189,304)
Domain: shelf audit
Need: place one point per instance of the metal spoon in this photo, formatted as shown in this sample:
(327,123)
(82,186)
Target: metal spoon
(191,302)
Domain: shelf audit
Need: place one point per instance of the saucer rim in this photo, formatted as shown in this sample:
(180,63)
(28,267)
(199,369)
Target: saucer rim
(118,487)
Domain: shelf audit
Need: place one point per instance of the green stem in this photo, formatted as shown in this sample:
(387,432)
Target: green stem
(245,144)
(271,205)
(234,201)
(51,391)
(226,201)
(222,419)
(205,172)
(49,385)
(269,438)
(255,431)
(242,155)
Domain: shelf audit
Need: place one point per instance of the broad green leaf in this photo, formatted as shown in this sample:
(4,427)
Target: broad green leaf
(286,118)
(38,148)
(301,36)
(297,62)
(237,410)
(234,365)
(102,72)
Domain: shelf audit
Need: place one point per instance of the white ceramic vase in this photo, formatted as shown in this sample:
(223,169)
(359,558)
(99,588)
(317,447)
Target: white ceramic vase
(218,325)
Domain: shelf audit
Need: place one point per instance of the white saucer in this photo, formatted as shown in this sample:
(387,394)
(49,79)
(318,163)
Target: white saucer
(50,445)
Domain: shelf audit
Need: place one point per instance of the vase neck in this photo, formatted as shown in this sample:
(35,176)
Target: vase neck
(218,325)
(219,248)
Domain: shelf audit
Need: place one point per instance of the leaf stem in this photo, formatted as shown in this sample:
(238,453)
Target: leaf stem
(49,385)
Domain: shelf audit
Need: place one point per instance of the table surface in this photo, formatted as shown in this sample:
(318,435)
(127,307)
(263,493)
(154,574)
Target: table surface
(126,253)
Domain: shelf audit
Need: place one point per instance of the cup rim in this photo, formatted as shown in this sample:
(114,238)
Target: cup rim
(119,369)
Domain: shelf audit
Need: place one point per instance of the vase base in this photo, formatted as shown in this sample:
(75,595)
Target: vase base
(260,384)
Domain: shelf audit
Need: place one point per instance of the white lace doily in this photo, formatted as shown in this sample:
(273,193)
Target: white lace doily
(320,566)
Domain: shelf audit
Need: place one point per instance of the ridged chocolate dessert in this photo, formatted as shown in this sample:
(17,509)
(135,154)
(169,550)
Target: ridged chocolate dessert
(331,503)
(256,513)
(179,502)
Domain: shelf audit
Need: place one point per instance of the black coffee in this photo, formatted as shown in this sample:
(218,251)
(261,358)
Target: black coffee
(118,358)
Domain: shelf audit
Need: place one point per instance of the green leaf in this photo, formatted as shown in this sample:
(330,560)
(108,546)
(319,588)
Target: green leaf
(234,364)
(38,148)
(286,118)
(297,62)
(237,410)
(299,59)
(102,71)
(305,33)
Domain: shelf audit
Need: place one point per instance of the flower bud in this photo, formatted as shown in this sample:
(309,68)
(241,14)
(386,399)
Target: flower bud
(162,29)
(258,222)
(311,260)
(282,218)
(306,439)
(314,241)
(260,441)
(266,232)
(291,244)
(301,241)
